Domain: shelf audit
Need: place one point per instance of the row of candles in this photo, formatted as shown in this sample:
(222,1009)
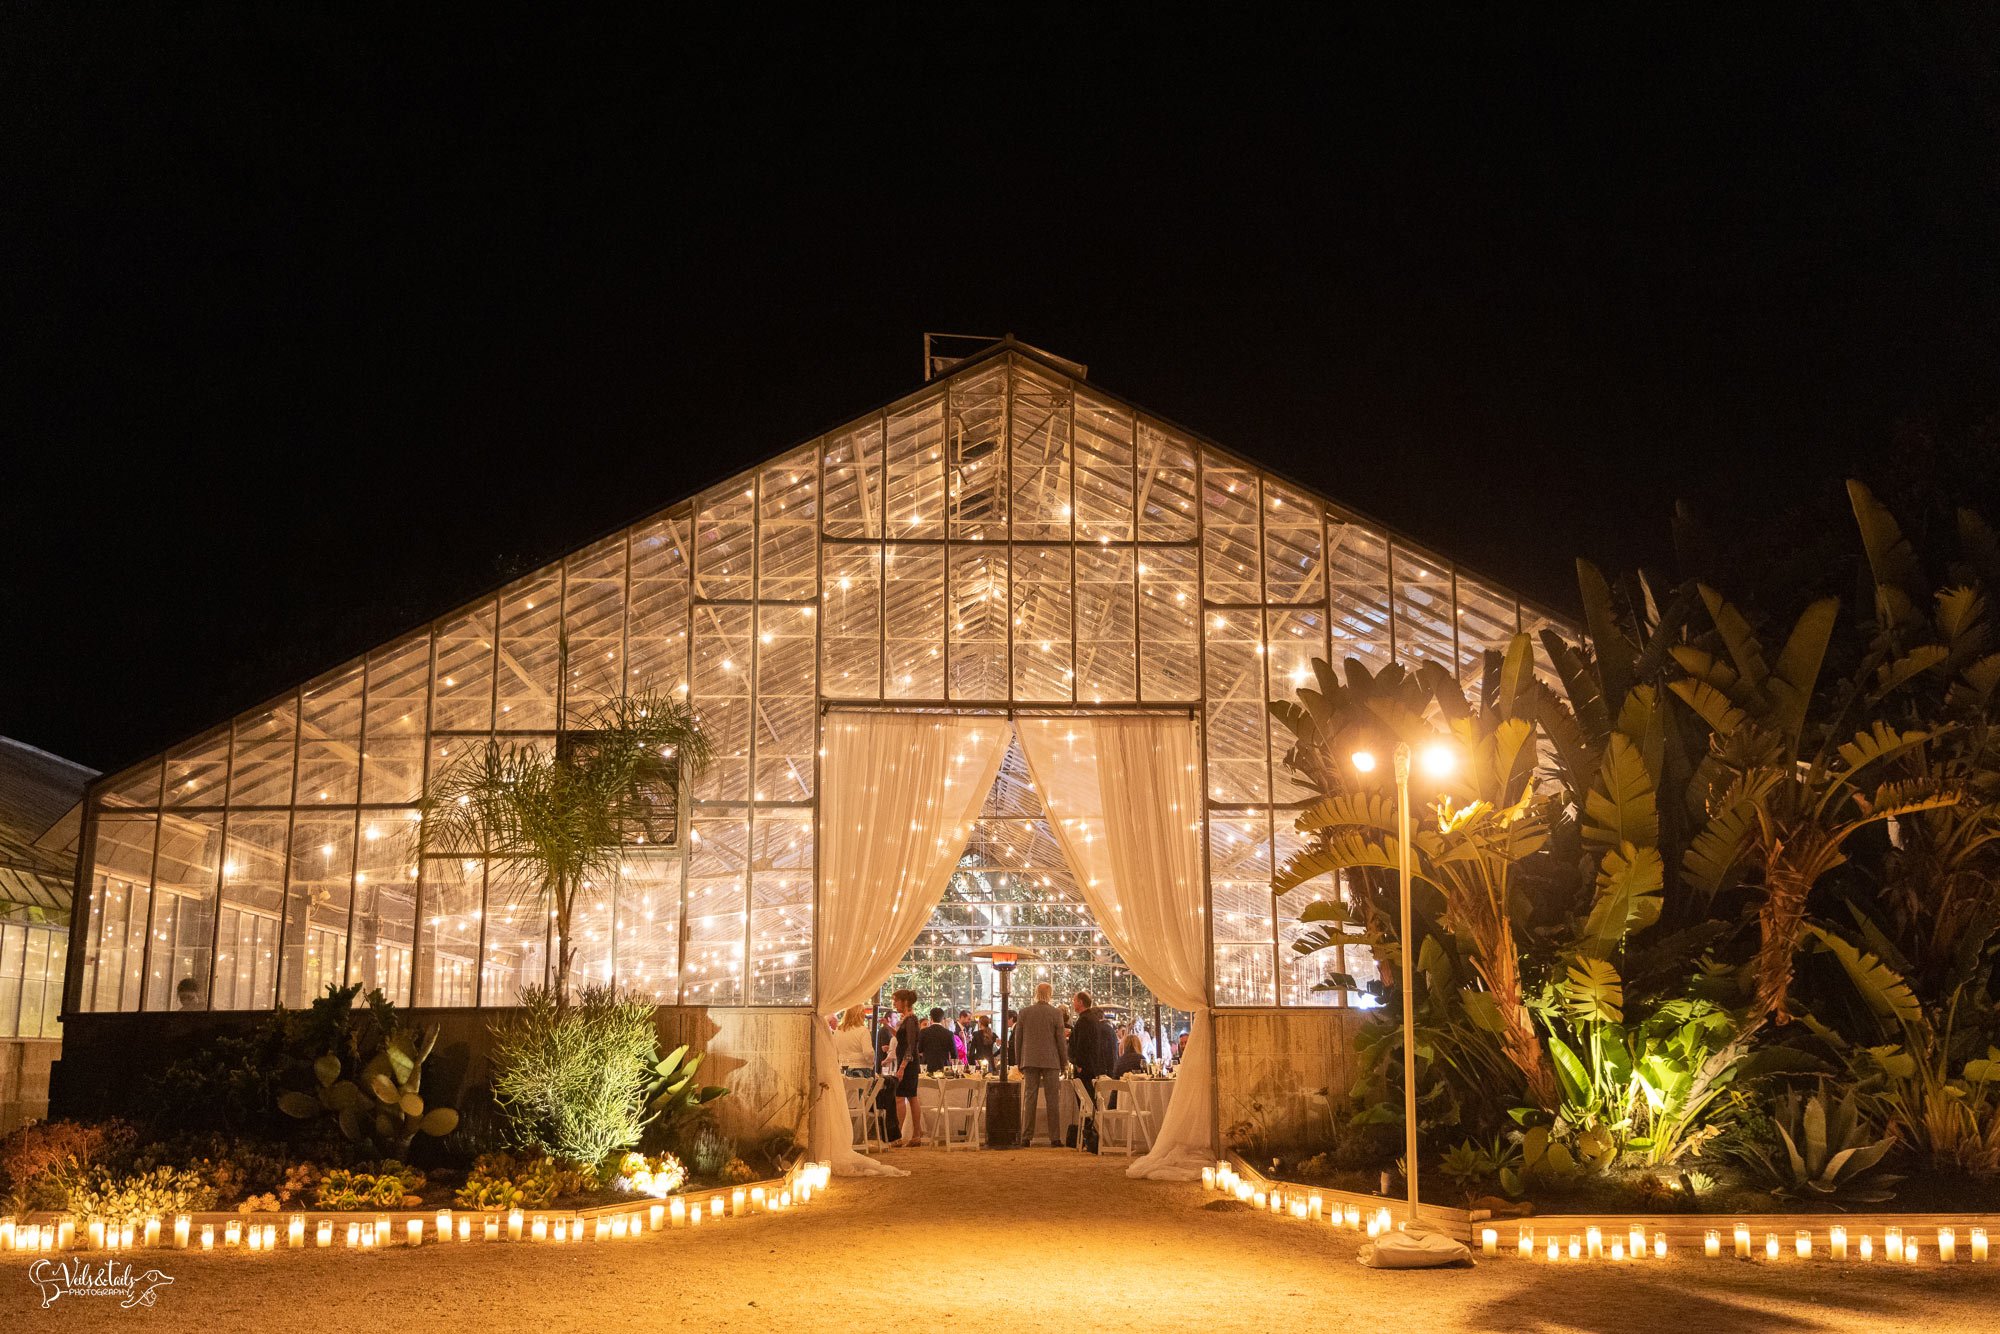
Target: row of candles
(367,1234)
(1590,1243)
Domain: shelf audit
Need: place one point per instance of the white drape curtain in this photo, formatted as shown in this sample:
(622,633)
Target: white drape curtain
(1124,796)
(898,795)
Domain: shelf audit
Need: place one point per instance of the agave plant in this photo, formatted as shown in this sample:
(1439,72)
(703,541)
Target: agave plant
(381,1102)
(1829,1152)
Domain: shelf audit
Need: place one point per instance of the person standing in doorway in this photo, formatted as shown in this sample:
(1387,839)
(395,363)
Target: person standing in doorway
(907,1062)
(1093,1044)
(1039,1040)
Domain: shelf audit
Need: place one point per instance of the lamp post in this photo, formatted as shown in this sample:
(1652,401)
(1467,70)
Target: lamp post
(1438,762)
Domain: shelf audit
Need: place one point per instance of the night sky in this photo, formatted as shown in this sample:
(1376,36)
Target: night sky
(317,323)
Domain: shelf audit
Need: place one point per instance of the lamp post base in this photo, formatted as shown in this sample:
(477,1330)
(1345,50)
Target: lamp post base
(1003,1115)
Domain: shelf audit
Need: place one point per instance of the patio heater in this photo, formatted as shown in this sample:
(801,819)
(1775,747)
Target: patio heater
(1003,1099)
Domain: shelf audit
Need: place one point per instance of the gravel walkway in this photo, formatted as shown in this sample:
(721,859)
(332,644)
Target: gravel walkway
(1031,1241)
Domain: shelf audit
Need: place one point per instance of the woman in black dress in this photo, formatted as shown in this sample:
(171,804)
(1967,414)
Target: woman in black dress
(907,1065)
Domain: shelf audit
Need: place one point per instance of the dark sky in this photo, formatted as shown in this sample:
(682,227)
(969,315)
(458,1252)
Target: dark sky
(317,322)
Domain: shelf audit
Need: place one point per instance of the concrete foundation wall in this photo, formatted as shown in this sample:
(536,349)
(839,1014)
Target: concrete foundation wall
(1276,1072)
(24,1079)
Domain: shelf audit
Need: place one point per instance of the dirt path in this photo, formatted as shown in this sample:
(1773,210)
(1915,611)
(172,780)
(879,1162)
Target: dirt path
(1025,1241)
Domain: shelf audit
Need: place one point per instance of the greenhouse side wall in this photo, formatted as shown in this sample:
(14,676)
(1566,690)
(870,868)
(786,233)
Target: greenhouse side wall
(1280,1073)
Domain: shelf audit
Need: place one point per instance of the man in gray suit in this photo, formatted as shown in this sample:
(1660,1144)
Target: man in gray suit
(1044,1052)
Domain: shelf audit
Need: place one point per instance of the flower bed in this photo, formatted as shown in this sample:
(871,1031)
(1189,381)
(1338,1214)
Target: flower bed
(373,1229)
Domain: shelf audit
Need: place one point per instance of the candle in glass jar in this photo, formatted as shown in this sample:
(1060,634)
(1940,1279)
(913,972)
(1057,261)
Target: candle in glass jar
(656,1215)
(1635,1242)
(1260,1199)
(6,1234)
(323,1232)
(1353,1215)
(598,1229)
(256,1239)
(1770,1245)
(1867,1245)
(737,1199)
(65,1233)
(1208,1178)
(295,1231)
(677,1211)
(1593,1243)
(1979,1243)
(413,1231)
(208,1236)
(1316,1206)
(1911,1250)
(1947,1245)
(1575,1247)
(489,1228)
(353,1236)
(181,1223)
(1743,1241)
(1711,1244)
(757,1200)
(152,1231)
(618,1226)
(1524,1243)
(539,1229)
(1299,1209)
(464,1228)
(513,1225)
(1617,1250)
(1836,1242)
(1552,1250)
(232,1233)
(96,1234)
(715,1206)
(694,1218)
(1659,1245)
(1892,1243)
(1802,1244)
(1489,1241)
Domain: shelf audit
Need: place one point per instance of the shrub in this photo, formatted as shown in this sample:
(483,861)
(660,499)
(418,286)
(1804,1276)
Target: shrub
(391,1185)
(658,1175)
(368,1079)
(31,1155)
(705,1149)
(573,1079)
(504,1181)
(103,1192)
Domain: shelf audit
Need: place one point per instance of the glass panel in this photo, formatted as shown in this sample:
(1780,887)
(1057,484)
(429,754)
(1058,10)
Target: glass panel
(317,902)
(13,956)
(1486,620)
(978,622)
(1231,561)
(915,625)
(1358,576)
(1240,886)
(788,529)
(198,770)
(330,739)
(722,549)
(1294,568)
(1293,639)
(722,637)
(649,923)
(53,985)
(1166,485)
(718,847)
(976,454)
(464,672)
(1106,658)
(590,922)
(781,908)
(253,894)
(1042,625)
(594,625)
(120,893)
(1236,745)
(1423,610)
(656,635)
(261,750)
(1103,471)
(1298,973)
(916,469)
(786,703)
(517,942)
(1169,624)
(385,904)
(853,463)
(447,956)
(1040,459)
(530,617)
(851,652)
(399,687)
(137,786)
(186,871)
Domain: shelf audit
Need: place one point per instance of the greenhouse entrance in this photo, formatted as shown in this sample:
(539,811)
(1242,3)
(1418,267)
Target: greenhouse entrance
(1014,887)
(1065,843)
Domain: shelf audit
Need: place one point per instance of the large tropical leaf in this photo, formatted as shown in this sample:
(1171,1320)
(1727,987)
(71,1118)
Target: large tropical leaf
(1333,854)
(1628,897)
(1879,742)
(1892,675)
(1613,651)
(1621,809)
(1739,639)
(1716,851)
(1880,986)
(1593,992)
(1365,809)
(1797,673)
(1710,705)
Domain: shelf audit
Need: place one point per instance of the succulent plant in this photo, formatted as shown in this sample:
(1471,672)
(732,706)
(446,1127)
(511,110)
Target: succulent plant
(1829,1152)
(383,1105)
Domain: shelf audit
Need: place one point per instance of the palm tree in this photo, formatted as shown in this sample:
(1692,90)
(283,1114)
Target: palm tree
(554,821)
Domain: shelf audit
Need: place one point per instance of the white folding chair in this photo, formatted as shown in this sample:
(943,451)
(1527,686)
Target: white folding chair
(1085,1108)
(930,1106)
(870,1128)
(1124,1123)
(961,1103)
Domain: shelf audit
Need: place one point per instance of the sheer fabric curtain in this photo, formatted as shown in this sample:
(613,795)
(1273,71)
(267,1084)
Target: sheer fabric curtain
(1124,796)
(898,795)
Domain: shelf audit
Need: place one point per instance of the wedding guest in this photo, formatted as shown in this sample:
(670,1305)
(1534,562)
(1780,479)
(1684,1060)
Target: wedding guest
(907,1062)
(851,1046)
(934,1043)
(1038,1039)
(1131,1058)
(1093,1047)
(982,1044)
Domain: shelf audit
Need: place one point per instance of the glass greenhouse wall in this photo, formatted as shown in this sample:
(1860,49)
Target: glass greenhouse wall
(1008,538)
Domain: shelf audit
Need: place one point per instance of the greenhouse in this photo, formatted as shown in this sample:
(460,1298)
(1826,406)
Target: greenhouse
(1008,543)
